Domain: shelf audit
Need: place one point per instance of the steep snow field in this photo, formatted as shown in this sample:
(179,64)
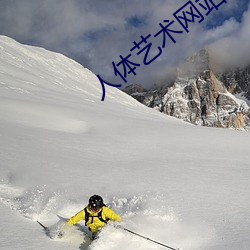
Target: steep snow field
(182,185)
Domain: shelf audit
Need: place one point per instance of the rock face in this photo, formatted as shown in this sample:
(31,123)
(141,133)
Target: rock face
(200,97)
(237,81)
(137,91)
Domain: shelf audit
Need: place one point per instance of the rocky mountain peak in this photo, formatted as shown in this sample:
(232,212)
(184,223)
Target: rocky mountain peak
(200,96)
(197,64)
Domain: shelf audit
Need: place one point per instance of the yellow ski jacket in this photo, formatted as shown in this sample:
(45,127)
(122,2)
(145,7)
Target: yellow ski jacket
(94,223)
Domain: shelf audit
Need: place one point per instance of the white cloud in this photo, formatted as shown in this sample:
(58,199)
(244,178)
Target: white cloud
(228,28)
(233,50)
(97,32)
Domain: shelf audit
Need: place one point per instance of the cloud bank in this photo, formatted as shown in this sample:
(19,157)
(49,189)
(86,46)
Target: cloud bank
(232,49)
(97,32)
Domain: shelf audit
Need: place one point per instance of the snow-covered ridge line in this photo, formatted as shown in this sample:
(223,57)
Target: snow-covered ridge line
(28,63)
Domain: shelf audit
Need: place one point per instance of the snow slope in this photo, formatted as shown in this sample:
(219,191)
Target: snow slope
(176,183)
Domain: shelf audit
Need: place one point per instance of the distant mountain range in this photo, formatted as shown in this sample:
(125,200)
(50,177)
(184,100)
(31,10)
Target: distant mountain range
(201,94)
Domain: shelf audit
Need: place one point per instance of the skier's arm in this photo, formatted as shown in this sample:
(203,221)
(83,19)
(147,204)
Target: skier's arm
(110,214)
(77,217)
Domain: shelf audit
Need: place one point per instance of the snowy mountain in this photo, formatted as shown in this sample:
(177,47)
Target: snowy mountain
(182,185)
(201,96)
(237,81)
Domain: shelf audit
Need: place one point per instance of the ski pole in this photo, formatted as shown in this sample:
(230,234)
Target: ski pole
(45,228)
(146,238)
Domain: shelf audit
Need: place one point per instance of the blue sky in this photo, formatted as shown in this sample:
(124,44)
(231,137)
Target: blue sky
(97,32)
(221,16)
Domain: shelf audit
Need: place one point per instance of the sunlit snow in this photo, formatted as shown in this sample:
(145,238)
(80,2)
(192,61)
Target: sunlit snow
(182,185)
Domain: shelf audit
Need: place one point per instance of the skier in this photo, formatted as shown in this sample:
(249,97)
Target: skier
(95,214)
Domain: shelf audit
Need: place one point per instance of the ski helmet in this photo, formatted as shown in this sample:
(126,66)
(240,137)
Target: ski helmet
(95,202)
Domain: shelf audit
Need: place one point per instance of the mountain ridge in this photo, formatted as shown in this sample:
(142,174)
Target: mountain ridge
(200,95)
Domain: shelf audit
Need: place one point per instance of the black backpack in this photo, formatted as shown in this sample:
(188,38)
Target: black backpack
(88,216)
